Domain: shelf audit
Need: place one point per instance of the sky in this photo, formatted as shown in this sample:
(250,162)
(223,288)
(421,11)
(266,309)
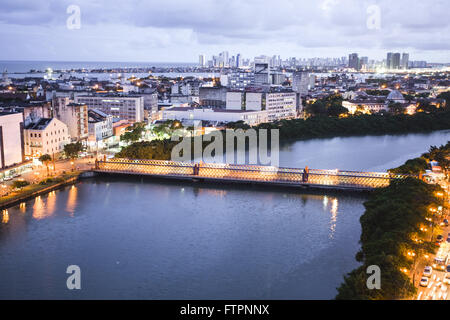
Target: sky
(180,30)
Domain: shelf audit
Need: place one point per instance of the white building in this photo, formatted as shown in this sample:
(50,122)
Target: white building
(74,115)
(11,139)
(364,106)
(100,128)
(127,107)
(281,105)
(47,136)
(216,115)
(278,104)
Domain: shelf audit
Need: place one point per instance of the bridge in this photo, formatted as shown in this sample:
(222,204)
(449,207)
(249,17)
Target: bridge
(249,174)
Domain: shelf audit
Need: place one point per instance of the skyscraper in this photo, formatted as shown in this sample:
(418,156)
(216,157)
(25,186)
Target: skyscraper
(353,61)
(405,61)
(389,60)
(201,60)
(395,61)
(238,60)
(262,71)
(301,82)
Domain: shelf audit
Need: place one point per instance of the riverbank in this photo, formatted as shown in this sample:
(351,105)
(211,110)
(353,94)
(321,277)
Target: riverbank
(393,233)
(311,128)
(34,190)
(399,227)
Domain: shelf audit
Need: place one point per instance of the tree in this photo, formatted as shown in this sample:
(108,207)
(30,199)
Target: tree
(71,150)
(396,108)
(20,184)
(45,159)
(133,133)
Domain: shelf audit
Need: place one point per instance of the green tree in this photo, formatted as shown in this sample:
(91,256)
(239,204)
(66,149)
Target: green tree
(396,108)
(20,184)
(71,150)
(45,159)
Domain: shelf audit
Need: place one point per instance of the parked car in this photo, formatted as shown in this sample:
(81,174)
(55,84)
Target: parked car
(424,282)
(448,239)
(440,238)
(445,221)
(427,271)
(448,268)
(446,278)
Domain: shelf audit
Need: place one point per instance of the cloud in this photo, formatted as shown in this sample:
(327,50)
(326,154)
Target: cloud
(137,29)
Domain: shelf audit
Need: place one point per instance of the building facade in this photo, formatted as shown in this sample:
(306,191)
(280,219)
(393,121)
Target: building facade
(74,115)
(126,107)
(46,136)
(11,139)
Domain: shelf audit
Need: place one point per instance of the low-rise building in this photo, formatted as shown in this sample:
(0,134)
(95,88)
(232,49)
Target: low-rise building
(365,106)
(216,115)
(46,136)
(100,129)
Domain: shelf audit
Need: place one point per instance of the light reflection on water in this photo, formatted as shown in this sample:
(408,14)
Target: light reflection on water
(144,240)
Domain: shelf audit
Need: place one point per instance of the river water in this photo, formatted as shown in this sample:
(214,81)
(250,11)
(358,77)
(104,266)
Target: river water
(138,239)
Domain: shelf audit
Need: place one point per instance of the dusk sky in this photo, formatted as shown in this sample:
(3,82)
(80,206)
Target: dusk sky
(179,30)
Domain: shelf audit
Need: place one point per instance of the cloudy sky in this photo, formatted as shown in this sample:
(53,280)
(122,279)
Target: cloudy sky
(179,30)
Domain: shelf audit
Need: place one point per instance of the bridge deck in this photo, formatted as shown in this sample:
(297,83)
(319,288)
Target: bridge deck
(314,178)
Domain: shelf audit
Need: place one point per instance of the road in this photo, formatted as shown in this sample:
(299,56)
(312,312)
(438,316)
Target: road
(39,173)
(438,287)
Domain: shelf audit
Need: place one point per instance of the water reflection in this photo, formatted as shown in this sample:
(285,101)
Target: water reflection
(334,211)
(23,207)
(5,216)
(39,211)
(51,203)
(72,200)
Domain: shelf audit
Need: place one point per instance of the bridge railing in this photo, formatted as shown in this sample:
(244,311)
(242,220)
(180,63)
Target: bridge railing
(353,179)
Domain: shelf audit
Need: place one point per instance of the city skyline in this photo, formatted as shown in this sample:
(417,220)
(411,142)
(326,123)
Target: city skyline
(176,32)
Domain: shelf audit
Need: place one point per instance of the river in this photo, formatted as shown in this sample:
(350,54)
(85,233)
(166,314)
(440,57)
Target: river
(139,239)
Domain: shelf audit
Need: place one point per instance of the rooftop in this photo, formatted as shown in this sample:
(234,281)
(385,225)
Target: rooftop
(40,125)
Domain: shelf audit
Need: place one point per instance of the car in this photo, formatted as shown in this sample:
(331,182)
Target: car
(445,221)
(440,238)
(448,239)
(448,268)
(446,278)
(424,282)
(427,271)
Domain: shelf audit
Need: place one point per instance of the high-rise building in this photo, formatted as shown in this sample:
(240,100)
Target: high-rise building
(396,61)
(202,60)
(11,139)
(127,107)
(389,60)
(364,62)
(74,115)
(353,61)
(262,71)
(405,61)
(300,83)
(393,61)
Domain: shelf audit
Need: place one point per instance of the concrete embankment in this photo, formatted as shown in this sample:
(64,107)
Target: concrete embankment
(37,190)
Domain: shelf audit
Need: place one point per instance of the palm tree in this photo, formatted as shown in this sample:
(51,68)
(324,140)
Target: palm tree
(46,158)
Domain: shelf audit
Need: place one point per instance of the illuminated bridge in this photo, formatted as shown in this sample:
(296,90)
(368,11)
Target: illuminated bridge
(215,172)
